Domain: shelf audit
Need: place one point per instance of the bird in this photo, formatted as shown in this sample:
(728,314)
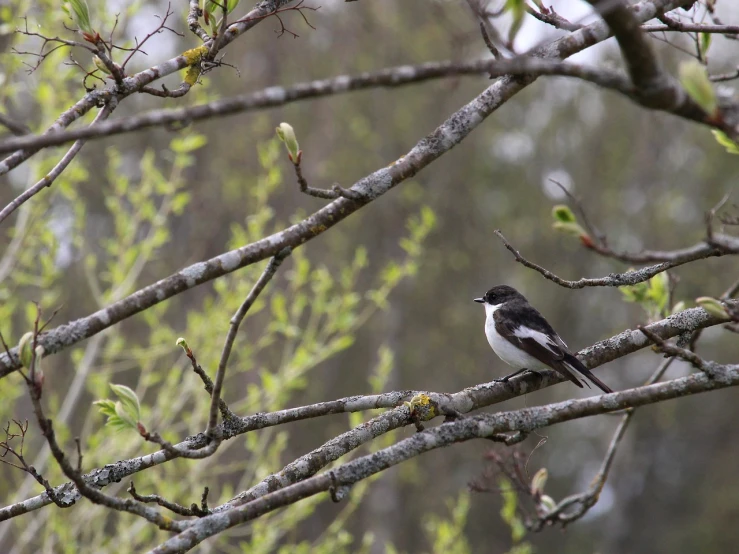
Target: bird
(523,338)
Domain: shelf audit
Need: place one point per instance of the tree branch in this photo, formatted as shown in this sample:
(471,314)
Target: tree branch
(13,126)
(586,500)
(464,401)
(481,426)
(233,329)
(655,87)
(633,277)
(50,177)
(267,98)
(137,82)
(550,17)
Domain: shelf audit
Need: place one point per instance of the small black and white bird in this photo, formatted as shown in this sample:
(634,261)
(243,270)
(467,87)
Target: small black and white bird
(522,338)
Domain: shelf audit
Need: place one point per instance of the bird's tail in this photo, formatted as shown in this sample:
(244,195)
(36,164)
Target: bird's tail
(577,365)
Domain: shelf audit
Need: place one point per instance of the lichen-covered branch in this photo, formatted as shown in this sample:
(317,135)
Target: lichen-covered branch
(268,98)
(481,426)
(464,401)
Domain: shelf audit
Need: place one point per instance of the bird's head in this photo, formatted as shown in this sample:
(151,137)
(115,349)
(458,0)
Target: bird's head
(500,294)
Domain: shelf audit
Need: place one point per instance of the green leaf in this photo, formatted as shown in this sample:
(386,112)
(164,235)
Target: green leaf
(563,213)
(517,9)
(508,511)
(704,43)
(694,78)
(569,228)
(25,349)
(659,290)
(189,143)
(724,140)
(287,135)
(539,481)
(106,407)
(100,65)
(712,306)
(217,7)
(80,14)
(279,308)
(130,405)
(548,502)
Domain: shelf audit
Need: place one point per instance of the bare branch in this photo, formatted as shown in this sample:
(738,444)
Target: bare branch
(193,23)
(681,27)
(193,510)
(336,191)
(89,101)
(615,279)
(50,177)
(267,98)
(586,500)
(696,361)
(13,126)
(550,17)
(655,87)
(35,386)
(233,329)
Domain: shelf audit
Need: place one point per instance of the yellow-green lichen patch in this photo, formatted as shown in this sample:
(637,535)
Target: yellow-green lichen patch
(193,55)
(422,407)
(192,74)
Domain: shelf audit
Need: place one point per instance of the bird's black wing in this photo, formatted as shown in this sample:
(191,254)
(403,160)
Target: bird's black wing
(527,329)
(532,333)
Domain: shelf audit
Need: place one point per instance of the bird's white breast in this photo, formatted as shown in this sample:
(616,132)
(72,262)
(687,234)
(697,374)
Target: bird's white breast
(510,354)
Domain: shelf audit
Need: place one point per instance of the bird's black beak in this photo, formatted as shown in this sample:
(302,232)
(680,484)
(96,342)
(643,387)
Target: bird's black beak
(479,300)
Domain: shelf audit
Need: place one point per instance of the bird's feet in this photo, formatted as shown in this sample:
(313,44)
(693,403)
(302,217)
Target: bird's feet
(520,371)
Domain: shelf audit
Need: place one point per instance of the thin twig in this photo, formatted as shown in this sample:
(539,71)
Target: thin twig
(35,386)
(335,192)
(13,126)
(613,280)
(235,322)
(179,509)
(553,18)
(696,361)
(586,500)
(50,177)
(488,42)
(226,412)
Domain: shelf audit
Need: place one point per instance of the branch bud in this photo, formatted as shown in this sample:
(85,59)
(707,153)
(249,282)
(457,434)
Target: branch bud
(287,135)
(100,65)
(25,349)
(712,306)
(539,481)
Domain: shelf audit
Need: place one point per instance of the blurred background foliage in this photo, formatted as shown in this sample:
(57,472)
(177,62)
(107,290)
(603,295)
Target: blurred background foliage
(383,303)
